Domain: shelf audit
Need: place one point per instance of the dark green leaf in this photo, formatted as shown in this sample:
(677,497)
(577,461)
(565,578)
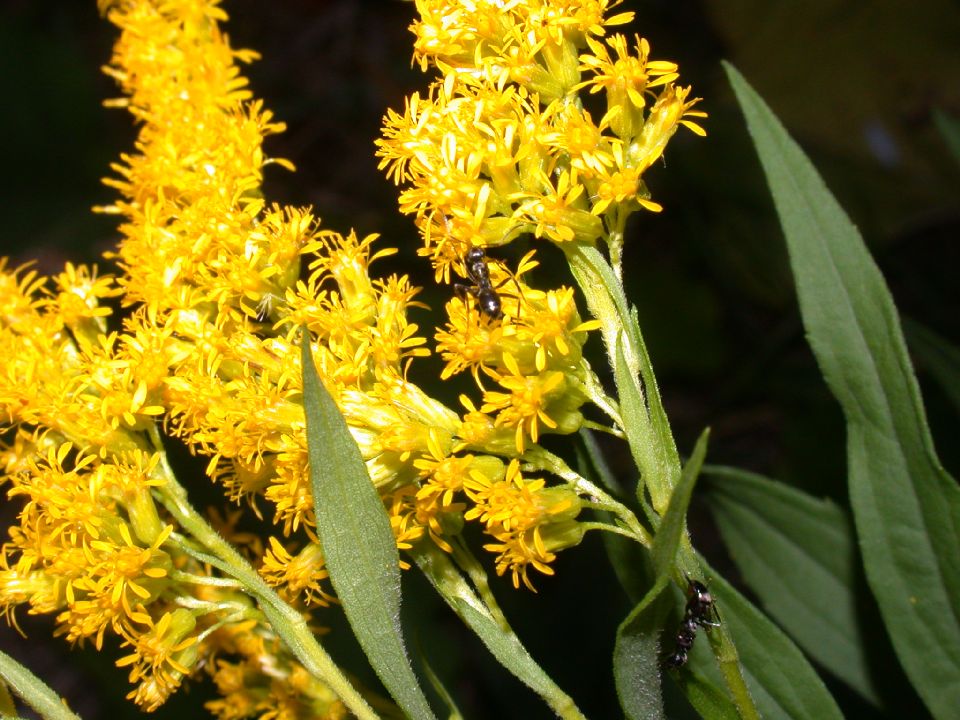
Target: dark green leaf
(781,681)
(636,656)
(358,544)
(798,555)
(593,465)
(939,357)
(7,705)
(453,712)
(629,560)
(949,128)
(906,507)
(667,540)
(510,653)
(707,698)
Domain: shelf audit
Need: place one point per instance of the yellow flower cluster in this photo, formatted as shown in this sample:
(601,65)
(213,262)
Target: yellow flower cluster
(504,143)
(214,297)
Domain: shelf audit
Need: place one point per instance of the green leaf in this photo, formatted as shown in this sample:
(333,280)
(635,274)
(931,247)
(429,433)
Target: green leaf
(905,506)
(358,544)
(629,560)
(453,712)
(939,357)
(781,681)
(798,555)
(638,429)
(708,699)
(510,653)
(33,691)
(7,706)
(499,639)
(659,423)
(667,540)
(636,655)
(949,128)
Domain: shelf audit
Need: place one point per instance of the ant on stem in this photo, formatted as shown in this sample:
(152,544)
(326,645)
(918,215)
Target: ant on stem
(698,613)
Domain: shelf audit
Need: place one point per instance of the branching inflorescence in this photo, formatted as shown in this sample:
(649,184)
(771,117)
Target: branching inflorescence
(210,278)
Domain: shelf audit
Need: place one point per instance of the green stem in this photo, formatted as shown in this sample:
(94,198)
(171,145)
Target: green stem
(287,622)
(591,425)
(498,637)
(33,691)
(466,561)
(184,577)
(607,527)
(722,643)
(545,460)
(726,654)
(598,396)
(615,243)
(644,420)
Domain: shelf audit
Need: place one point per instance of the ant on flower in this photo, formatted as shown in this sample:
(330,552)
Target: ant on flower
(481,287)
(698,613)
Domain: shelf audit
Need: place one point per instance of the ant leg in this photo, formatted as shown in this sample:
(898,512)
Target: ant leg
(463,292)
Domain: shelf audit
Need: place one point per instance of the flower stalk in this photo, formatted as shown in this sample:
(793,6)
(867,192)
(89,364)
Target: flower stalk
(643,421)
(285,620)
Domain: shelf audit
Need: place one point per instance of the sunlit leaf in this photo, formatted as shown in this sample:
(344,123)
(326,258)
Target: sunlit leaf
(358,544)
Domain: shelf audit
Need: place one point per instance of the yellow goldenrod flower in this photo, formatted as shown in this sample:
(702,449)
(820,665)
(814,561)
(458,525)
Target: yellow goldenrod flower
(502,145)
(72,529)
(211,284)
(506,119)
(162,657)
(77,301)
(263,678)
(519,514)
(296,574)
(213,272)
(626,79)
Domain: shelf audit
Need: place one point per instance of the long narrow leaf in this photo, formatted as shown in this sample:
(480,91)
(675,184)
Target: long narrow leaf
(636,656)
(499,639)
(627,558)
(358,544)
(797,553)
(781,681)
(667,540)
(949,128)
(33,690)
(707,698)
(636,662)
(906,507)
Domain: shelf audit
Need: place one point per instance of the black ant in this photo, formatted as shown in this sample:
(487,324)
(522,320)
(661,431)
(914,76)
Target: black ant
(700,608)
(482,289)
